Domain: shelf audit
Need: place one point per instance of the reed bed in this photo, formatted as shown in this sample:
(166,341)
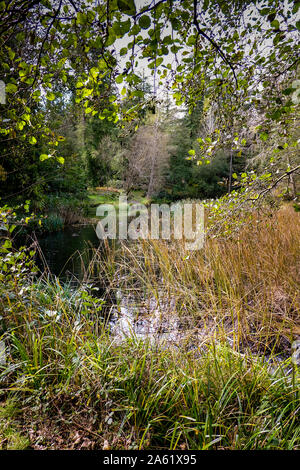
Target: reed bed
(245,288)
(68,383)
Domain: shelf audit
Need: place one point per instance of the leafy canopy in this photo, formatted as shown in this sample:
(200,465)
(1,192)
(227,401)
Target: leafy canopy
(238,52)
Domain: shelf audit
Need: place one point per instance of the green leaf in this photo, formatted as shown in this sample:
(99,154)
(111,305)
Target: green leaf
(50,96)
(32,140)
(86,92)
(127,7)
(111,39)
(11,88)
(296,7)
(20,125)
(264,136)
(7,244)
(120,28)
(44,156)
(275,24)
(277,39)
(176,24)
(94,72)
(81,18)
(11,54)
(145,21)
(234,175)
(60,160)
(135,30)
(265,11)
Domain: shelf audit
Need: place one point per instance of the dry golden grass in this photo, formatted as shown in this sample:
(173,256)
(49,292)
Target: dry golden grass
(245,288)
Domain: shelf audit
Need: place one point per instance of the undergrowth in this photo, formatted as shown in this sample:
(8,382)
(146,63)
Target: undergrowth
(68,383)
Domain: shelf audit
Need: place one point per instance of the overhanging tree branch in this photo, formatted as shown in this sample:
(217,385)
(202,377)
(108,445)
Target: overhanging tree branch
(273,185)
(146,10)
(214,44)
(45,39)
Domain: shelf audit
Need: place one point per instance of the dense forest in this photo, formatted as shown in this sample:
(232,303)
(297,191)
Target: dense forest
(100,153)
(143,344)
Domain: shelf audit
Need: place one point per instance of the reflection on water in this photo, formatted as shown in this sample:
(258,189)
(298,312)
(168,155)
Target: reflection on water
(154,319)
(66,252)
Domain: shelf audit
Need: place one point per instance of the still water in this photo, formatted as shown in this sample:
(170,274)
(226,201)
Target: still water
(65,252)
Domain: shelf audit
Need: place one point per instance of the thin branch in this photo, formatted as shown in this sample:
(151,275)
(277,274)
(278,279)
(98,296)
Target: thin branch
(146,10)
(45,39)
(288,68)
(22,13)
(214,44)
(74,5)
(269,188)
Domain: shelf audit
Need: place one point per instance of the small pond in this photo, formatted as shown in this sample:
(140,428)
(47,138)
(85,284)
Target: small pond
(65,252)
